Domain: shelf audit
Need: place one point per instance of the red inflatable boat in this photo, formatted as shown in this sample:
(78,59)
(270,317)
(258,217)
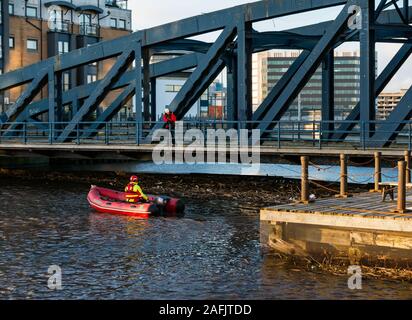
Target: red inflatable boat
(110,201)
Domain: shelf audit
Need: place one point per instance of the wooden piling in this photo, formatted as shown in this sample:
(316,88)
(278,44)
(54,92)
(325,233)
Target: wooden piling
(304,197)
(401,201)
(343,176)
(377,177)
(408,166)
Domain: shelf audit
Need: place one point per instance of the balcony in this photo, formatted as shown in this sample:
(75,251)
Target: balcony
(117,4)
(89,30)
(60,26)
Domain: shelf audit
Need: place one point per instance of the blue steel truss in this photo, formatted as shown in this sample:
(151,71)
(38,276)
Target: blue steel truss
(132,73)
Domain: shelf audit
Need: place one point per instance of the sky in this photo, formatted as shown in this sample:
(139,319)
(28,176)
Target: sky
(149,13)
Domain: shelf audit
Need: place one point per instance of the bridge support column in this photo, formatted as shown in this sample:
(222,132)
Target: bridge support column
(244,73)
(138,91)
(146,84)
(51,94)
(408,166)
(231,90)
(328,107)
(55,101)
(153,95)
(367,67)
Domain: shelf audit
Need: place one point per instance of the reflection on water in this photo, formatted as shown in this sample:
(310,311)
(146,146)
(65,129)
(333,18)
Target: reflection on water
(213,252)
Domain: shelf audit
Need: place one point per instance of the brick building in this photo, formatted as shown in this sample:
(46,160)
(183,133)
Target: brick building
(33,30)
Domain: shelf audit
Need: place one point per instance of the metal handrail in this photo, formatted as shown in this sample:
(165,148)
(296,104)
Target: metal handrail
(279,133)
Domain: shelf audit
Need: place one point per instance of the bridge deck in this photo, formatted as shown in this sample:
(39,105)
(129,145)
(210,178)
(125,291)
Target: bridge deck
(44,148)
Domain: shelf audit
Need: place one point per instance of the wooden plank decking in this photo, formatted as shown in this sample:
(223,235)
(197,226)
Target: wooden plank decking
(362,211)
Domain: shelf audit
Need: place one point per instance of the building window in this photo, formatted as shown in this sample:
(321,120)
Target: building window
(31,12)
(173,88)
(11,9)
(113,22)
(32,44)
(66,81)
(91,78)
(11,42)
(122,24)
(62,47)
(85,19)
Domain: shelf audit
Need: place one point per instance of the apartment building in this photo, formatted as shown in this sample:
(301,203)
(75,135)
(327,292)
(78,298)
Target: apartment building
(387,101)
(33,30)
(268,67)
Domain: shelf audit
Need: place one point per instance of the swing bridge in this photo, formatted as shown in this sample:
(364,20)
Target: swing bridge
(32,125)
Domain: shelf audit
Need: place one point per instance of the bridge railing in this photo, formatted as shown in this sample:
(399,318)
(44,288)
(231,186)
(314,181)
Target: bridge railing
(278,134)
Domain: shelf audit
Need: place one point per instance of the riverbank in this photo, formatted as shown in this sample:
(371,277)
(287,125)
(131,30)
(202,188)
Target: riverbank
(255,190)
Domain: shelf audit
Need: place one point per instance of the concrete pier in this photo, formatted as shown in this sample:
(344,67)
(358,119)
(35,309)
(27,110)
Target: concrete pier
(361,229)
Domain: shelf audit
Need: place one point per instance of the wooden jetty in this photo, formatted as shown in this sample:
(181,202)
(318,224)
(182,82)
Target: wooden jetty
(361,228)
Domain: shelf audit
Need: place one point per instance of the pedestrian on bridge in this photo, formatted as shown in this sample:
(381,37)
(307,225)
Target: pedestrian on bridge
(170,119)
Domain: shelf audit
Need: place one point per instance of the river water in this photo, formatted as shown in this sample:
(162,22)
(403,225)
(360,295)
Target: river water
(213,252)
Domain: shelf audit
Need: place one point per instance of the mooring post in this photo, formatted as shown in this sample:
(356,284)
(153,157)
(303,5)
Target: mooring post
(304,198)
(401,207)
(377,177)
(343,176)
(408,167)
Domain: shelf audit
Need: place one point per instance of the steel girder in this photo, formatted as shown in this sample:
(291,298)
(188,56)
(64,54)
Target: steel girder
(391,127)
(213,21)
(72,96)
(32,90)
(367,66)
(383,79)
(205,73)
(171,36)
(91,103)
(138,89)
(110,111)
(328,102)
(274,93)
(244,72)
(306,70)
(212,57)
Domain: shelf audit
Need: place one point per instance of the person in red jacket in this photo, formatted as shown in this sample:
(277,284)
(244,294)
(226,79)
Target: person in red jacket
(170,119)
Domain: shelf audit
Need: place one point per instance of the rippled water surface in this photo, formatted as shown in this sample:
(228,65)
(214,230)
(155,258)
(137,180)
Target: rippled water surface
(213,252)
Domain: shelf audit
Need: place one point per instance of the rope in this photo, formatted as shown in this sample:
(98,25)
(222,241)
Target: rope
(389,177)
(324,187)
(291,170)
(356,164)
(359,182)
(319,167)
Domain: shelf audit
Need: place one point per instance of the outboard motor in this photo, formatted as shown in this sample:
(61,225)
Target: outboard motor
(170,206)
